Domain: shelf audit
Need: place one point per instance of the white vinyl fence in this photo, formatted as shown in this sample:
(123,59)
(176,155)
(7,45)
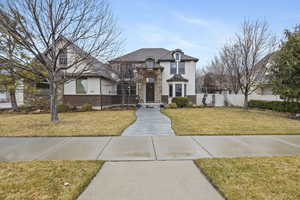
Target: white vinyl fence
(232,99)
(4,98)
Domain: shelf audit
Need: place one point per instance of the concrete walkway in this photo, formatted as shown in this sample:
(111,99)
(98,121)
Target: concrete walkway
(146,147)
(156,180)
(150,122)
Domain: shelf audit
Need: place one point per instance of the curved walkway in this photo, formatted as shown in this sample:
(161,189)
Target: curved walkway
(150,122)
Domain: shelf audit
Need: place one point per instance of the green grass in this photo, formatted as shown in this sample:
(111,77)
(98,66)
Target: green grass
(261,178)
(98,123)
(227,121)
(46,180)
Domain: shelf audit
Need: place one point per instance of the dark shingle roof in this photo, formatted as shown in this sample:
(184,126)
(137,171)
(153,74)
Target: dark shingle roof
(158,54)
(97,68)
(104,71)
(177,78)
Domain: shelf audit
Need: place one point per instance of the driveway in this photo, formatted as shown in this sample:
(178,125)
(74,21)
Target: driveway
(150,122)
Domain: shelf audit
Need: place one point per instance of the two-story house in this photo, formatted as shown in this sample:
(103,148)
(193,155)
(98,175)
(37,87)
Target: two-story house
(147,75)
(156,75)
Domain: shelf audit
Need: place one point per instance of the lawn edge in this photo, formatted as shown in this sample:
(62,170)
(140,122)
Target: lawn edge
(88,182)
(170,118)
(135,118)
(210,180)
(223,134)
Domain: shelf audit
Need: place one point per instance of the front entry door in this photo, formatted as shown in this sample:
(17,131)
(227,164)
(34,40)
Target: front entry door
(150,92)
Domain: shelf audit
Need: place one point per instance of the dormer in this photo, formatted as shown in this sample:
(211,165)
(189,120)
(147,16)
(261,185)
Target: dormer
(150,62)
(177,55)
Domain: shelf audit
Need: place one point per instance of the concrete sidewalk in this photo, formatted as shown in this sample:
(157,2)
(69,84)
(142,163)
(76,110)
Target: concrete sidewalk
(146,147)
(154,180)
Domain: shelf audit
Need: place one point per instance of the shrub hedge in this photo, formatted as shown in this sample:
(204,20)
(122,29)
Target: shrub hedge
(86,107)
(180,101)
(62,108)
(280,106)
(171,105)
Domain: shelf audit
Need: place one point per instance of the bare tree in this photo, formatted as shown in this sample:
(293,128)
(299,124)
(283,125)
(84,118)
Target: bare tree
(253,42)
(230,58)
(51,29)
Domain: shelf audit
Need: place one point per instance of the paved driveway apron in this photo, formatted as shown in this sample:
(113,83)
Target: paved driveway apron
(150,122)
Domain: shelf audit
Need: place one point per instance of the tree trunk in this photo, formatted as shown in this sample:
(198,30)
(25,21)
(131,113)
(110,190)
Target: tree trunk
(246,100)
(53,94)
(13,99)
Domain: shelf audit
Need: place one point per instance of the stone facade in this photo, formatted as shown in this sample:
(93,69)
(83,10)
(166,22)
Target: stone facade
(143,75)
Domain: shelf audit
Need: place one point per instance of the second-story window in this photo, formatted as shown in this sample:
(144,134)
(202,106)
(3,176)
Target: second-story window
(173,68)
(126,71)
(63,58)
(181,68)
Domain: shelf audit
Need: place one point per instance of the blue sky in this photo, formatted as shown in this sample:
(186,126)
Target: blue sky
(197,27)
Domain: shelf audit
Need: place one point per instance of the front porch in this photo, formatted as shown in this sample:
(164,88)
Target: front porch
(149,85)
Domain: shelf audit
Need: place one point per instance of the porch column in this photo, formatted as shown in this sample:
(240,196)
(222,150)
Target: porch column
(157,87)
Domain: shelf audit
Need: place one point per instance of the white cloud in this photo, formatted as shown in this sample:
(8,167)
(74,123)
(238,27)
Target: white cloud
(156,36)
(193,20)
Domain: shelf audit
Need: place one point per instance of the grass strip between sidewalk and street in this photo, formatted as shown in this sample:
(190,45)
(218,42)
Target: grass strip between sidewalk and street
(256,178)
(47,180)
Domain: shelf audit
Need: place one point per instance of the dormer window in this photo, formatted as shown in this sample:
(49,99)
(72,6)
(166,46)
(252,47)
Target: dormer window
(150,63)
(177,55)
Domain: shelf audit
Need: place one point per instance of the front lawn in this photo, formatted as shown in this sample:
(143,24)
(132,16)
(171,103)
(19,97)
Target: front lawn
(261,178)
(97,123)
(227,121)
(35,180)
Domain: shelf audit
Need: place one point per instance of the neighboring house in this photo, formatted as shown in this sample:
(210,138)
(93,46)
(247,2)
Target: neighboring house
(156,75)
(264,81)
(3,96)
(5,100)
(89,81)
(95,87)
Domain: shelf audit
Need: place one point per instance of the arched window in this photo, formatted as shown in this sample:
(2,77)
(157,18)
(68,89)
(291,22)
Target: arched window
(150,63)
(178,56)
